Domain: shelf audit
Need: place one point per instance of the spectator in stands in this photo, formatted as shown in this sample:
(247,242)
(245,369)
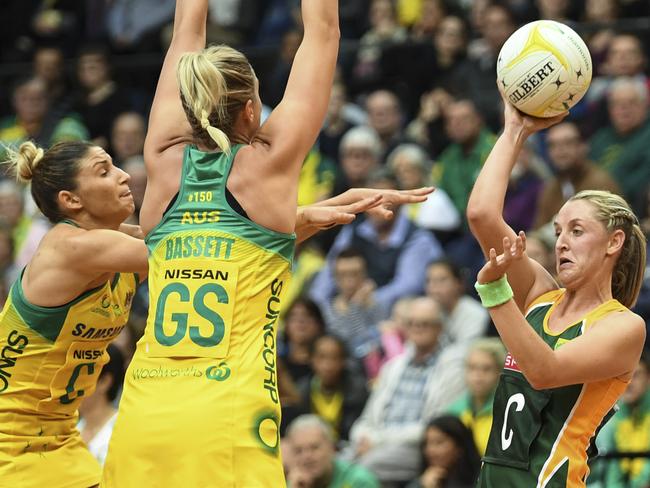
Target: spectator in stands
(392,337)
(27,229)
(98,410)
(337,122)
(465,318)
(384,30)
(336,392)
(412,168)
(476,78)
(622,147)
(628,431)
(524,188)
(624,56)
(34,120)
(428,127)
(7,269)
(127,137)
(232,22)
(49,67)
(449,456)
(396,251)
(317,178)
(557,10)
(385,116)
(484,363)
(313,461)
(431,15)
(360,155)
(410,390)
(136,25)
(273,89)
(459,164)
(567,151)
(101,99)
(303,325)
(353,313)
(540,246)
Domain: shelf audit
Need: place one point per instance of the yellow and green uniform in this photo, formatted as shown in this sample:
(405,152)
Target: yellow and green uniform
(50,359)
(478,421)
(544,438)
(200,405)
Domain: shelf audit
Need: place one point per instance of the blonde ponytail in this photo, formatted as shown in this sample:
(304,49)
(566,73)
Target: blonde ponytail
(202,87)
(215,85)
(24,161)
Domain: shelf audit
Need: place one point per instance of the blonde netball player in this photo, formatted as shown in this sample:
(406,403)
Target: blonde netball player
(69,302)
(200,405)
(572,350)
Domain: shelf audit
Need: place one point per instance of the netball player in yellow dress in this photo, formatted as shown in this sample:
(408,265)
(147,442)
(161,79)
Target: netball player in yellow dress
(69,302)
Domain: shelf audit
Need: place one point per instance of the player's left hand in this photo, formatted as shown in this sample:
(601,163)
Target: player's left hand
(497,265)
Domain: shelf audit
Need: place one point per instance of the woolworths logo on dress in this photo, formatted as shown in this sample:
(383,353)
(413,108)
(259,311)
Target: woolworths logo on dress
(220,372)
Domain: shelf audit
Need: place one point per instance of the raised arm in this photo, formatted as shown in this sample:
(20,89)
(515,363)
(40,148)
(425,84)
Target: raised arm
(169,129)
(293,126)
(527,278)
(167,121)
(103,250)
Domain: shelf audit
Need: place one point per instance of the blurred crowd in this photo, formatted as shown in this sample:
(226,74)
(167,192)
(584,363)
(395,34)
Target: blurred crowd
(387,362)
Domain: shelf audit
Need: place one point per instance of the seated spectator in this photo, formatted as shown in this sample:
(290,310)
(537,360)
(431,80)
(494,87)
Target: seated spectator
(449,455)
(136,25)
(336,392)
(232,22)
(395,250)
(27,229)
(483,366)
(412,168)
(353,312)
(622,148)
(101,99)
(624,57)
(567,151)
(628,430)
(313,462)
(428,127)
(360,152)
(34,120)
(49,66)
(317,177)
(411,389)
(465,318)
(432,13)
(386,117)
(392,338)
(540,246)
(98,411)
(524,187)
(341,117)
(303,325)
(459,164)
(384,30)
(127,137)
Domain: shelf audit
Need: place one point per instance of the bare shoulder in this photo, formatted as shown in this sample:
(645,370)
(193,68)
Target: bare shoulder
(623,322)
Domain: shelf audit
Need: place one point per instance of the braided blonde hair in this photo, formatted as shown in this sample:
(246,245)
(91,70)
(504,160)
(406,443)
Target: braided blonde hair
(215,85)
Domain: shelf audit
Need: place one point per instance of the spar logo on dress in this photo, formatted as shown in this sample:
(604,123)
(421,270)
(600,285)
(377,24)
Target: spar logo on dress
(511,364)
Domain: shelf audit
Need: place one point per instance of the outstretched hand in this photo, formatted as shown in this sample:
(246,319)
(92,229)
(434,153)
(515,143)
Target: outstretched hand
(497,265)
(390,199)
(319,217)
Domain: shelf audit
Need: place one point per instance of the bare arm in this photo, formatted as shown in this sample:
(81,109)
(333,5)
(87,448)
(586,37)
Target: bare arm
(291,129)
(167,122)
(485,207)
(341,209)
(103,250)
(596,355)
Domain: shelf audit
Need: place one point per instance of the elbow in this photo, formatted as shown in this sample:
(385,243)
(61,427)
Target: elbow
(477,215)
